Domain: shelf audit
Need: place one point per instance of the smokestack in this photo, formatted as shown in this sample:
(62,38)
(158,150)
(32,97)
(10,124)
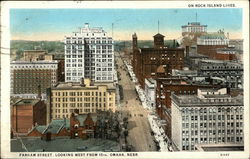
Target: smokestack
(187,51)
(228,35)
(39,93)
(174,44)
(82,82)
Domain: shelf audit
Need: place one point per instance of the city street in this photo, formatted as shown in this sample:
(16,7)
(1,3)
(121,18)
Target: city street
(139,129)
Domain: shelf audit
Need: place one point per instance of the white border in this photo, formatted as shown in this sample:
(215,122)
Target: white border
(5,70)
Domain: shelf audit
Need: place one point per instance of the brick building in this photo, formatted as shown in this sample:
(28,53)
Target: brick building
(166,86)
(231,72)
(82,125)
(27,77)
(57,127)
(211,44)
(78,125)
(146,60)
(26,113)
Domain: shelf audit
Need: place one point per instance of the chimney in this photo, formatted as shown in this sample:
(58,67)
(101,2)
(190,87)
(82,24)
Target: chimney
(82,82)
(39,94)
(187,51)
(174,44)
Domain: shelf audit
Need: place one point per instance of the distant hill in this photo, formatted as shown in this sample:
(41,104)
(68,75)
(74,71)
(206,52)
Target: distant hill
(18,46)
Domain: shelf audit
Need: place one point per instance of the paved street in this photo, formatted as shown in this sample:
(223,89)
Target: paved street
(139,128)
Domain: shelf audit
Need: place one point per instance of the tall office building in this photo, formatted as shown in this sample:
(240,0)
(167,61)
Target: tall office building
(89,53)
(210,117)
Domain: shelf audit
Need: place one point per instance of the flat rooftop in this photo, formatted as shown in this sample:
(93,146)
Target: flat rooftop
(26,102)
(64,144)
(77,85)
(220,147)
(209,100)
(220,62)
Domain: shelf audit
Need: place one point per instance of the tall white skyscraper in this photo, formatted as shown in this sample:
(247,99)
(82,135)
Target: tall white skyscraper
(89,53)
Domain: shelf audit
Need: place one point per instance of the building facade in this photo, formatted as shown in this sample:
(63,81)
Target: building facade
(209,43)
(26,113)
(194,27)
(146,61)
(167,86)
(86,97)
(34,55)
(231,72)
(210,117)
(32,77)
(89,53)
(150,88)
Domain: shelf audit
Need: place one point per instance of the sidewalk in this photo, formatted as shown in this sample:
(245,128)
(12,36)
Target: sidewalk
(154,121)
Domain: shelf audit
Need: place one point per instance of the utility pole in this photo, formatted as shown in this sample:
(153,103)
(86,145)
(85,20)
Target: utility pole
(113,30)
(158,26)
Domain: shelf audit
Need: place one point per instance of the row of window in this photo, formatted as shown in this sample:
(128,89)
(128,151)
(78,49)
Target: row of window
(210,110)
(212,117)
(219,124)
(85,99)
(87,41)
(104,78)
(36,66)
(79,94)
(79,105)
(186,144)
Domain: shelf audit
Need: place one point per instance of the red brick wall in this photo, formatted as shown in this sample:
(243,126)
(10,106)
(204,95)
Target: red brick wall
(22,118)
(61,71)
(89,123)
(63,132)
(39,113)
(172,58)
(225,56)
(34,132)
(209,50)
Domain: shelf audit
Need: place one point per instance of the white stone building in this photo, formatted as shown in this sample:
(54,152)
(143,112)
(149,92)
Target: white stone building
(194,27)
(217,38)
(150,88)
(211,117)
(89,53)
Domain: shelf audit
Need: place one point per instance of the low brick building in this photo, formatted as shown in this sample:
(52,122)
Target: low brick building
(26,113)
(78,125)
(82,125)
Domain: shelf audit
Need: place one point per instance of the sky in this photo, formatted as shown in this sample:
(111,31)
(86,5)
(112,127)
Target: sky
(54,24)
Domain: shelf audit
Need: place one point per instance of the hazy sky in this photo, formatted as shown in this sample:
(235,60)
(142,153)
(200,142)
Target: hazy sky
(54,24)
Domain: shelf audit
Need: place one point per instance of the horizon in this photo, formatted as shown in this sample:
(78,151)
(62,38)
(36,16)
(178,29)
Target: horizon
(55,24)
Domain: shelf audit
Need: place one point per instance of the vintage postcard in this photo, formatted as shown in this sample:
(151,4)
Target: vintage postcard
(125,79)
